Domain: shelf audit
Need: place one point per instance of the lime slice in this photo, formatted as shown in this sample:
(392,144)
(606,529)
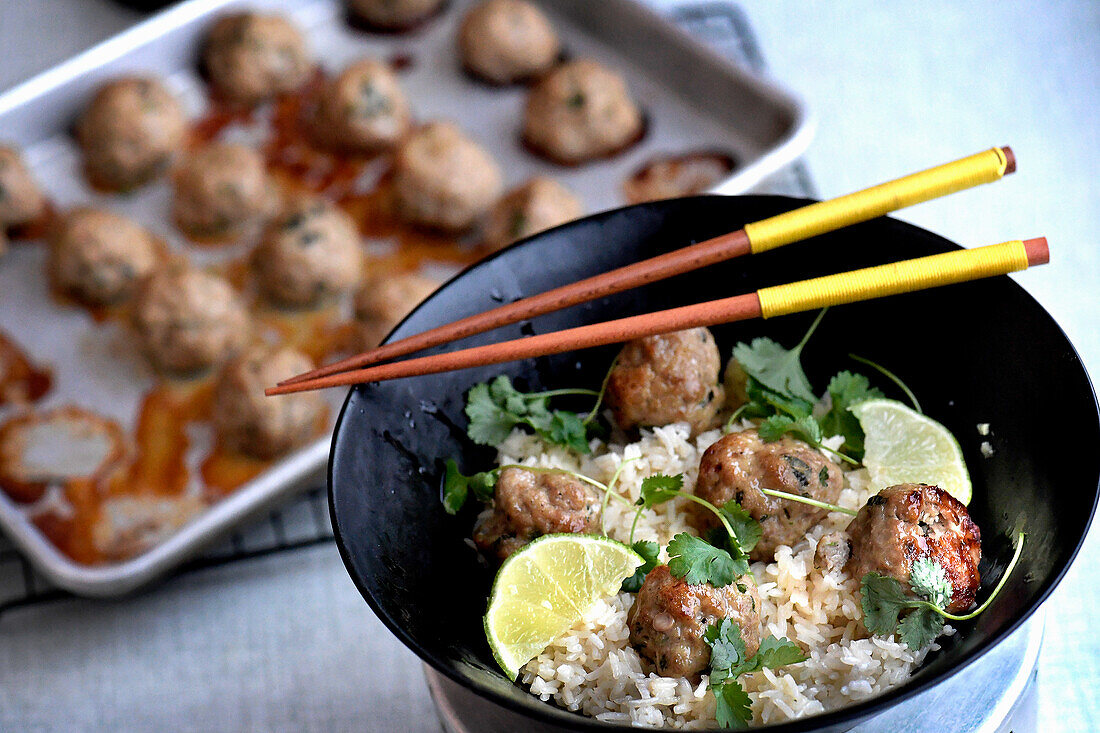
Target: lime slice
(904,446)
(541,591)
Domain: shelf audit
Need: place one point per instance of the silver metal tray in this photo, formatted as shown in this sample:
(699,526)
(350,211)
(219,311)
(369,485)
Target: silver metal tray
(694,99)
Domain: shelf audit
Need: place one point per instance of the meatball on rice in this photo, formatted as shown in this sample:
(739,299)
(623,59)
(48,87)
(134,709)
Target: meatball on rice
(188,320)
(220,189)
(362,109)
(130,132)
(505,41)
(382,302)
(259,426)
(443,180)
(669,619)
(579,112)
(309,254)
(740,464)
(21,200)
(539,204)
(529,504)
(393,15)
(100,257)
(908,522)
(251,57)
(658,380)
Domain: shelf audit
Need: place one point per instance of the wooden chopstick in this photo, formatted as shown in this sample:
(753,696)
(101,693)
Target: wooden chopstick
(808,221)
(849,287)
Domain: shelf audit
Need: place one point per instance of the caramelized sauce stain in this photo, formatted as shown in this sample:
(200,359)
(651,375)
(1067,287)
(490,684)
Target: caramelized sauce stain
(21,380)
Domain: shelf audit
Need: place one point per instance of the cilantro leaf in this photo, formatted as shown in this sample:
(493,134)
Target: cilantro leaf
(650,552)
(928,579)
(777,426)
(566,429)
(696,561)
(747,531)
(773,653)
(766,402)
(727,649)
(883,599)
(457,487)
(845,390)
(728,661)
(659,488)
(734,707)
(774,367)
(920,627)
(494,408)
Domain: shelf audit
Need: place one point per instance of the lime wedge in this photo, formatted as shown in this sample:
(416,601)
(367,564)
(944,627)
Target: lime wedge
(541,591)
(904,446)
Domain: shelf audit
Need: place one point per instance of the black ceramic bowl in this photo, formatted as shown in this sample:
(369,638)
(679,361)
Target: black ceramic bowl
(983,352)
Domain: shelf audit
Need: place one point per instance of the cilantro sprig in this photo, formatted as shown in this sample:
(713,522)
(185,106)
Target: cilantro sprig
(780,394)
(885,599)
(458,487)
(728,661)
(496,407)
(720,562)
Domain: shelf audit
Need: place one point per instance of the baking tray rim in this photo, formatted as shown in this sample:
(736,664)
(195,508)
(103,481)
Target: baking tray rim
(286,476)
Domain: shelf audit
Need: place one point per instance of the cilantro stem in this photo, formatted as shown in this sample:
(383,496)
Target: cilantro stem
(728,427)
(813,327)
(1000,584)
(692,497)
(892,377)
(611,491)
(836,453)
(811,502)
(581,477)
(560,392)
(600,395)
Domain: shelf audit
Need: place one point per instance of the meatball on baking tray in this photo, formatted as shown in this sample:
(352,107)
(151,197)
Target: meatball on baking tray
(127,200)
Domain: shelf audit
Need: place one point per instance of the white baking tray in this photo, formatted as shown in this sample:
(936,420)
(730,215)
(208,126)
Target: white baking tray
(693,97)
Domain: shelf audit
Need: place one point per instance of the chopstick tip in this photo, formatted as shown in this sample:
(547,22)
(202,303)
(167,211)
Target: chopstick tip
(1038,253)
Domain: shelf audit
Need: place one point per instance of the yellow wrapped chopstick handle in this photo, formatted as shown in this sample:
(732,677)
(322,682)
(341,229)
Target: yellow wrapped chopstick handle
(809,221)
(893,279)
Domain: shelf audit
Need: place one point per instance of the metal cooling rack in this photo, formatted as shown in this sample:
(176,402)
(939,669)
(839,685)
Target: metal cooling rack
(304,521)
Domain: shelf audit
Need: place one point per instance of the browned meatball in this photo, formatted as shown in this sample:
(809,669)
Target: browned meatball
(740,464)
(250,57)
(443,179)
(221,188)
(130,132)
(188,320)
(669,378)
(670,617)
(382,302)
(529,504)
(99,257)
(580,111)
(393,15)
(503,41)
(539,204)
(309,254)
(904,523)
(21,201)
(259,426)
(363,109)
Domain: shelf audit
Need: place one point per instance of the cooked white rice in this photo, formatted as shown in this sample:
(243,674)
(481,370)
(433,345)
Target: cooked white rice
(594,670)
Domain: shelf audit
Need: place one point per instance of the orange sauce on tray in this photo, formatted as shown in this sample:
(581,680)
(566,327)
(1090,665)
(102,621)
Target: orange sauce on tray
(21,380)
(156,464)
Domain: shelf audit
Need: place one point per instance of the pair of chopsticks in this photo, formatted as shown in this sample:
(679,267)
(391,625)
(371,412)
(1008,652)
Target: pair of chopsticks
(793,226)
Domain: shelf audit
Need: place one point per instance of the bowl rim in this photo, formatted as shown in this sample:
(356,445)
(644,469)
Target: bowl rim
(550,713)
